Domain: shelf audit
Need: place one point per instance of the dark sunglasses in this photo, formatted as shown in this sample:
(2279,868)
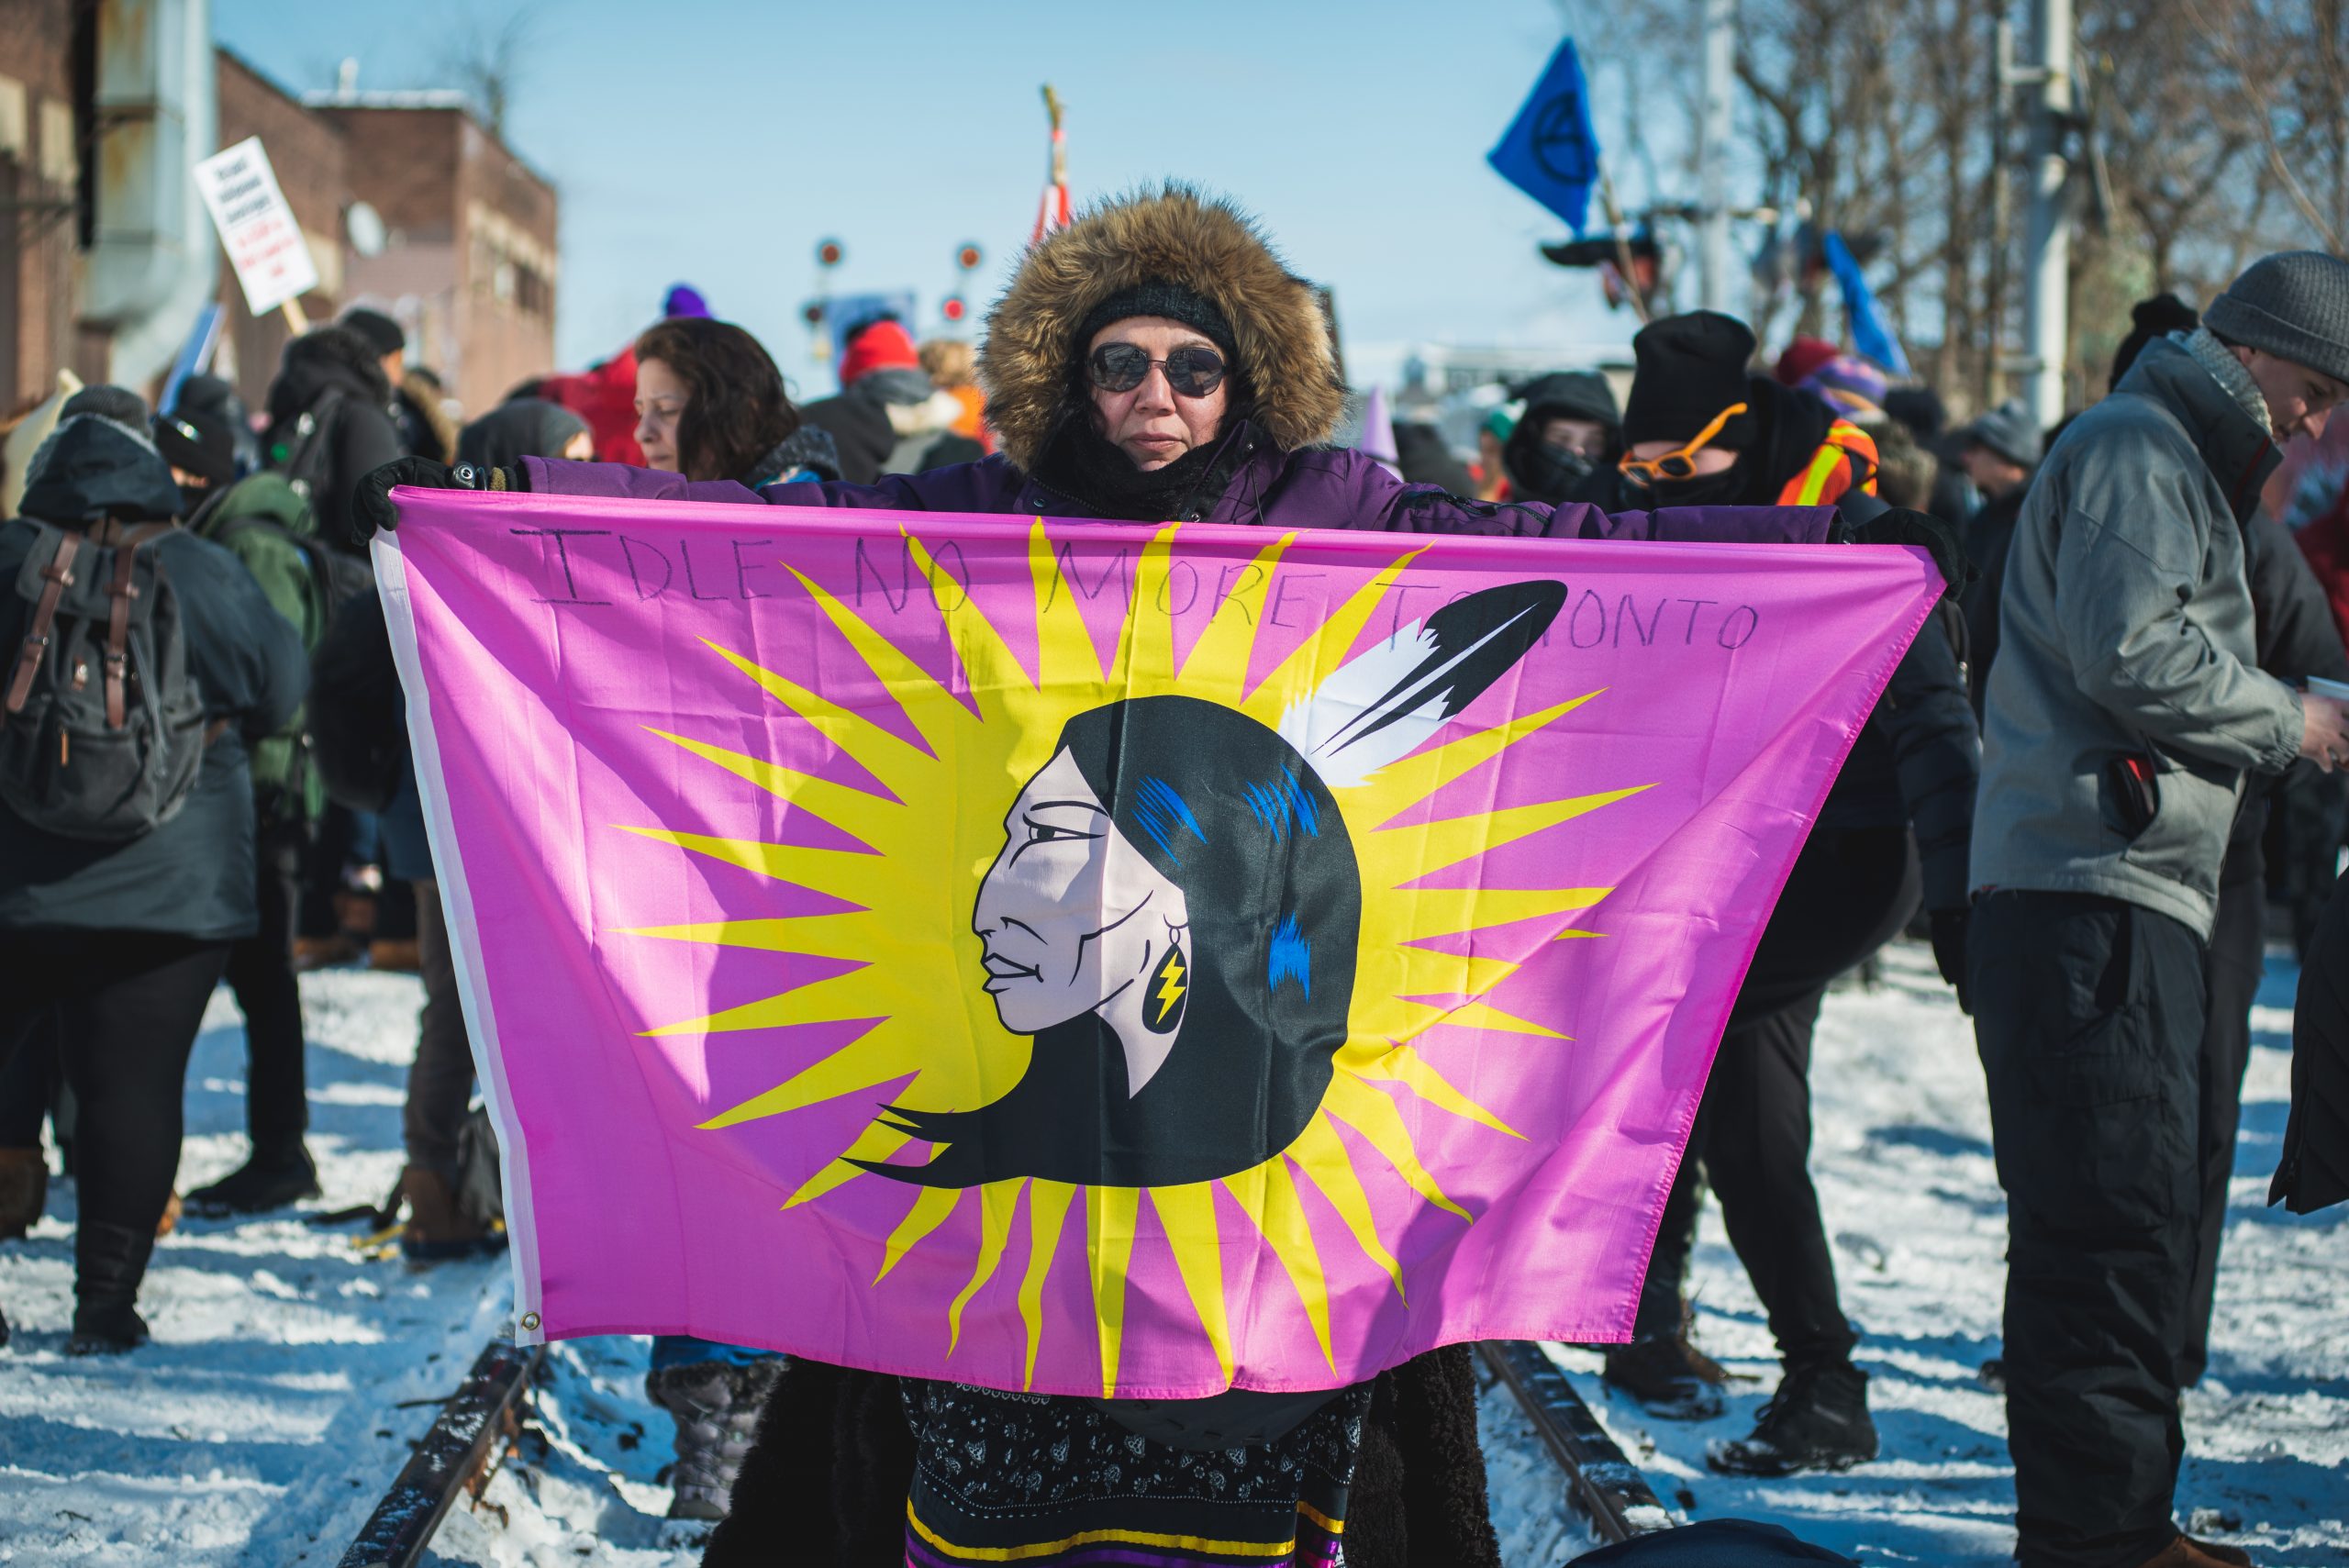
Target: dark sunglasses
(1122,367)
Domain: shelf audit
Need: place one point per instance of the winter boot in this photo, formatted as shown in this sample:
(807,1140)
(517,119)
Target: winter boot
(1668,1376)
(1817,1421)
(24,1190)
(717,1406)
(108,1263)
(269,1180)
(2187,1553)
(439,1231)
(395,955)
(323,953)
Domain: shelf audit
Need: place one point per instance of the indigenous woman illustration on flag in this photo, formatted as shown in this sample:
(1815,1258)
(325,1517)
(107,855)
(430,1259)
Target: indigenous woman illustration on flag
(1175,913)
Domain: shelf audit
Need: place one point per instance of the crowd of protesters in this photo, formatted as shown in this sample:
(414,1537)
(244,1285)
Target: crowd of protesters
(2095,780)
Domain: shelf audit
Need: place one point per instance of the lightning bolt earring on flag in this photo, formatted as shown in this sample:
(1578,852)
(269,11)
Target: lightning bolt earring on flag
(1169,982)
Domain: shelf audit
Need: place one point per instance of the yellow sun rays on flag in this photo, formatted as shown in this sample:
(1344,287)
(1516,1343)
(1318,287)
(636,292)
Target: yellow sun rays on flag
(936,823)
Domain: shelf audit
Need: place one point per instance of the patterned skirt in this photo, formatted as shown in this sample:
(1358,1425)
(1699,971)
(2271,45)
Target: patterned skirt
(1047,1482)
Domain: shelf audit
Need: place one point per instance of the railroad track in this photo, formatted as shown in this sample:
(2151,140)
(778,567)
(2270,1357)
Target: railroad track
(479,1424)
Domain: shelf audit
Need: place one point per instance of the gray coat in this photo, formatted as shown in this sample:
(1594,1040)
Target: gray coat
(2126,632)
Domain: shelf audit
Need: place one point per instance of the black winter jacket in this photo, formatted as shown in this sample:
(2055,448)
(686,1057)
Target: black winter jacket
(2313,1170)
(1988,534)
(361,437)
(2297,638)
(193,875)
(1916,762)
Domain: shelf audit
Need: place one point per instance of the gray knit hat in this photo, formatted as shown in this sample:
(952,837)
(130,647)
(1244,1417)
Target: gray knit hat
(2009,430)
(2295,305)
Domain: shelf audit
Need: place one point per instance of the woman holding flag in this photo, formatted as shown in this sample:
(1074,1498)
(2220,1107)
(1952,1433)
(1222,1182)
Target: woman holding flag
(1153,361)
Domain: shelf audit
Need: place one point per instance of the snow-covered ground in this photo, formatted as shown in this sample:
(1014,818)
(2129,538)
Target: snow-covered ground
(291,1372)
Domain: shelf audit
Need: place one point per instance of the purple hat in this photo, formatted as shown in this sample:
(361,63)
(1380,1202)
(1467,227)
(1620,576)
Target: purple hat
(683,299)
(1851,387)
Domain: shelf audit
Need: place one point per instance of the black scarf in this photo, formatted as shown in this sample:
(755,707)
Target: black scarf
(1090,470)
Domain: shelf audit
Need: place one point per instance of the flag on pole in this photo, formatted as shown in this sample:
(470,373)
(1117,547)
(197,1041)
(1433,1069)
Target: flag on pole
(1871,334)
(1052,213)
(1097,959)
(1551,151)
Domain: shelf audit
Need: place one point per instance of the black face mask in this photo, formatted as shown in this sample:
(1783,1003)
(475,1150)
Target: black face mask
(1721,489)
(192,496)
(1552,474)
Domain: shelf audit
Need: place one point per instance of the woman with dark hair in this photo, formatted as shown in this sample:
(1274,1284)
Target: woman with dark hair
(711,405)
(1152,361)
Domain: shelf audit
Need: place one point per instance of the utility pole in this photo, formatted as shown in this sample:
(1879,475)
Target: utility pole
(1712,152)
(2047,261)
(2002,223)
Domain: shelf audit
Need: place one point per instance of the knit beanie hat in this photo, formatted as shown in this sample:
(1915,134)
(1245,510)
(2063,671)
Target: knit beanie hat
(1159,297)
(1801,357)
(1690,368)
(197,443)
(683,299)
(1853,388)
(2009,430)
(883,345)
(383,335)
(2148,319)
(108,401)
(1571,395)
(2294,304)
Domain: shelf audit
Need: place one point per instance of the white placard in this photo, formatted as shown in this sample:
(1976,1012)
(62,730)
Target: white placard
(257,228)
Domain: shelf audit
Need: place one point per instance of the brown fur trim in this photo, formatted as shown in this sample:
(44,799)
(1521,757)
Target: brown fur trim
(1176,234)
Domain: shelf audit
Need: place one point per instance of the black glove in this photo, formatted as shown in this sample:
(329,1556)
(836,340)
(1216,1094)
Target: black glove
(1949,951)
(371,504)
(1899,526)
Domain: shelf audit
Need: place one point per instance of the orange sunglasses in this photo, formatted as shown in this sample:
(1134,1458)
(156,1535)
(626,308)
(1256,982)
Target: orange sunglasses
(1682,464)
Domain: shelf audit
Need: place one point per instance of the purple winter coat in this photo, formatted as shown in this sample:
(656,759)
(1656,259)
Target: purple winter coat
(1317,488)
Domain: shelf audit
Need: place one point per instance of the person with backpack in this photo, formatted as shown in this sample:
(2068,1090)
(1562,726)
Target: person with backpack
(447,1217)
(330,423)
(137,663)
(266,524)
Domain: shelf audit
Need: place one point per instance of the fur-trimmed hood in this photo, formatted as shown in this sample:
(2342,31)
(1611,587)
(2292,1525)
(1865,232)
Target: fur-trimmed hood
(1177,235)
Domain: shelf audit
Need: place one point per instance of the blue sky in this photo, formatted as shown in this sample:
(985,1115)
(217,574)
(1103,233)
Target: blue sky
(718,141)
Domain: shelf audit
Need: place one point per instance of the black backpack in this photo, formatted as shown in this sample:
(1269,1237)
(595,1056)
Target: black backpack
(308,444)
(101,732)
(358,715)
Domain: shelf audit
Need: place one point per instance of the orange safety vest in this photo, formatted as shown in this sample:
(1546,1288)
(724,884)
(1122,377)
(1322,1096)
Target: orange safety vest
(1845,461)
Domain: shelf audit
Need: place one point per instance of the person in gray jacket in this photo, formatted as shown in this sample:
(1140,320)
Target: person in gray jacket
(2124,711)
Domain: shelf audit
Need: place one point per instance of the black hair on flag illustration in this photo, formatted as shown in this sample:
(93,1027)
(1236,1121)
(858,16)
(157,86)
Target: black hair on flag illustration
(1173,917)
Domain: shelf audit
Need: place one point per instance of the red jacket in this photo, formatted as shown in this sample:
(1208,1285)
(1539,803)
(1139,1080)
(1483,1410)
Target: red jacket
(604,397)
(2325,542)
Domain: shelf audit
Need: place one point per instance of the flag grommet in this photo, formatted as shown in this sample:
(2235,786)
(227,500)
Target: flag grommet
(531,1322)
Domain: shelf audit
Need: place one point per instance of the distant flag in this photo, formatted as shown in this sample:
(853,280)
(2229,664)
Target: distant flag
(1052,213)
(1871,334)
(1377,436)
(1551,151)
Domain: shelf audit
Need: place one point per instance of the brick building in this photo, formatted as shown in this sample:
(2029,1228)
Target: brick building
(460,248)
(308,155)
(41,135)
(463,254)
(468,263)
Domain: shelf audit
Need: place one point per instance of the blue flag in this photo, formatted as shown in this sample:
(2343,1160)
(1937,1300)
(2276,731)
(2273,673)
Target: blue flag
(1871,335)
(1549,150)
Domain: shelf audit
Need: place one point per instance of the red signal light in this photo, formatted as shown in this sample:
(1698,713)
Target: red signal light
(954,309)
(967,258)
(828,253)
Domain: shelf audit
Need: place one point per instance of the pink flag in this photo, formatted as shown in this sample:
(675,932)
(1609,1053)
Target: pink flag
(1093,958)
